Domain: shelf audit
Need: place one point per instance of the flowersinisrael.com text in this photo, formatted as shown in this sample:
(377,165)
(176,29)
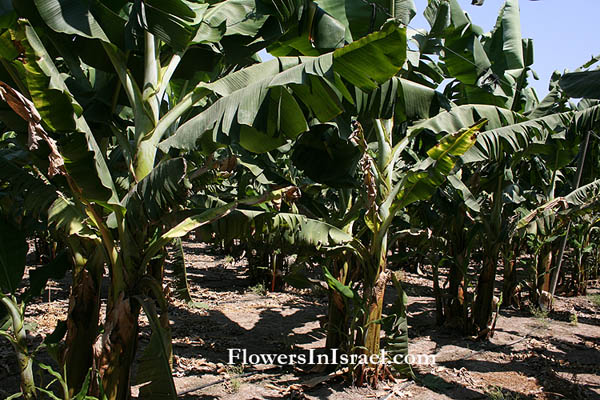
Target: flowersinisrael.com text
(334,357)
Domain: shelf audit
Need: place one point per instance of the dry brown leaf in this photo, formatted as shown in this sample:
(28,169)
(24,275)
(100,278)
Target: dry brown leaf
(311,383)
(26,110)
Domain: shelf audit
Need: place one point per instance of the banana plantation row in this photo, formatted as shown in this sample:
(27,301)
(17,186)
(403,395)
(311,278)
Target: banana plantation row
(363,146)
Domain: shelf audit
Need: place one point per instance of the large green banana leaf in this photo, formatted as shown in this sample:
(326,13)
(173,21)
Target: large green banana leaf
(154,370)
(584,194)
(363,17)
(506,131)
(161,189)
(175,22)
(181,23)
(511,56)
(579,201)
(424,178)
(583,82)
(257,96)
(311,29)
(401,99)
(293,230)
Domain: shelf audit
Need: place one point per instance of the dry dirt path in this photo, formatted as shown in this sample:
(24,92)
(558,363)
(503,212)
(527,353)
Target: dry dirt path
(528,357)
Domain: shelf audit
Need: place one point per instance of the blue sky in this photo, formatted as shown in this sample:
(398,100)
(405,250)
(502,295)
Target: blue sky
(565,33)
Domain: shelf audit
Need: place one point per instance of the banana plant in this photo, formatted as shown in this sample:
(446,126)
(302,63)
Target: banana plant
(393,194)
(583,246)
(94,124)
(579,206)
(388,184)
(205,130)
(510,139)
(483,68)
(486,69)
(400,188)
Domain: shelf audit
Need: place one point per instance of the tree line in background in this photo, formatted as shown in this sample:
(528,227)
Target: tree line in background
(363,147)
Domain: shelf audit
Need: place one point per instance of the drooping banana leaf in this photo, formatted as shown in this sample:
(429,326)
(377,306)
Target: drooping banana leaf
(360,18)
(585,198)
(458,117)
(282,230)
(154,370)
(310,30)
(424,178)
(582,84)
(250,97)
(506,131)
(396,330)
(65,216)
(160,190)
(401,99)
(174,22)
(584,194)
(228,18)
(87,19)
(182,287)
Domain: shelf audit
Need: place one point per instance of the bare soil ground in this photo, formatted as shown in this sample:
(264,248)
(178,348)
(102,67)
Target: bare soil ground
(529,357)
